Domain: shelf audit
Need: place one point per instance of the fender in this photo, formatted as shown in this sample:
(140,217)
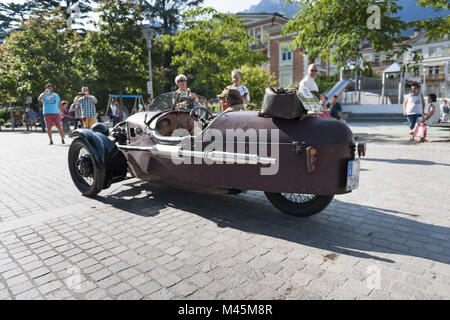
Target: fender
(111,163)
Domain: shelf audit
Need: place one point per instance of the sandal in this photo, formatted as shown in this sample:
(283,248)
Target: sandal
(411,136)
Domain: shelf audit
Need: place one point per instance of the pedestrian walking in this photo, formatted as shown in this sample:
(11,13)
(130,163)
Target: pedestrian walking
(413,108)
(87,104)
(52,106)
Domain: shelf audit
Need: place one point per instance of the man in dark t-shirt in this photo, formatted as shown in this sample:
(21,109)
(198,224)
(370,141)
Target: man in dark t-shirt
(336,108)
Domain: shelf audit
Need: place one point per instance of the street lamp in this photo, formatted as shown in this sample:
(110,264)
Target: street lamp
(149,33)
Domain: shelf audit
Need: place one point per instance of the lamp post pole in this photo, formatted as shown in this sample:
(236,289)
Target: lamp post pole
(148,35)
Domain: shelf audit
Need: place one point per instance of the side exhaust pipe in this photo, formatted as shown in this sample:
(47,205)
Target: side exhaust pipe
(226,157)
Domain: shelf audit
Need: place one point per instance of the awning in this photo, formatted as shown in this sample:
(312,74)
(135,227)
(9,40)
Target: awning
(393,68)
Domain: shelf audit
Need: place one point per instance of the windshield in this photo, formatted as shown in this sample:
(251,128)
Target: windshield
(173,100)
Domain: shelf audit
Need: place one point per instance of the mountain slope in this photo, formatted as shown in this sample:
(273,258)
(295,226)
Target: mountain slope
(411,11)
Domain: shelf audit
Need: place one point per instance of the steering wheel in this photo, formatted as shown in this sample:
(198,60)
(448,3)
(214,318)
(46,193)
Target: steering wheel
(200,113)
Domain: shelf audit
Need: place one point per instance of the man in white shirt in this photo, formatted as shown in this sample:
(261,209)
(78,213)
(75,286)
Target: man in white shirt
(309,82)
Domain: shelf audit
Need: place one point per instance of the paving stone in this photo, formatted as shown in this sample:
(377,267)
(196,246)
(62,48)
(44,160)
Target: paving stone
(119,288)
(162,294)
(148,288)
(211,252)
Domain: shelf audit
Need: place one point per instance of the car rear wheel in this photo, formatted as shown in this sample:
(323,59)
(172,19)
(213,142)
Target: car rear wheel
(84,173)
(297,204)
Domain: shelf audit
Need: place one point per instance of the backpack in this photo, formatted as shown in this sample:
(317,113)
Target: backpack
(282,103)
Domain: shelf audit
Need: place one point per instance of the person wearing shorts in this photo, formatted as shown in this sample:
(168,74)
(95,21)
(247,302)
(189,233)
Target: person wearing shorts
(87,105)
(413,108)
(51,111)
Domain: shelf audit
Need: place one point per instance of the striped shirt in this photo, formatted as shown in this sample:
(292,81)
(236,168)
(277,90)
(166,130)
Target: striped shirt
(87,107)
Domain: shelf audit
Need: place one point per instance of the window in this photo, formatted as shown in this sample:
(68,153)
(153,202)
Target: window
(286,54)
(444,51)
(431,52)
(377,59)
(416,72)
(430,70)
(436,70)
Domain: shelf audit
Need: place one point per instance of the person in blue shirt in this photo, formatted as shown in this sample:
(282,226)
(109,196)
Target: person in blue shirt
(52,107)
(336,108)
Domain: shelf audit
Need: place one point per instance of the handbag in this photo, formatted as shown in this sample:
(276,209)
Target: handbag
(282,103)
(421,130)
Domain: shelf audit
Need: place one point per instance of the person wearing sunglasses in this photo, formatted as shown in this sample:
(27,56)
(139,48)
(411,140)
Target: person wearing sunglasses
(183,97)
(309,81)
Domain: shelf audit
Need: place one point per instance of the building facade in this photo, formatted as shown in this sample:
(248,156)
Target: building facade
(433,72)
(288,66)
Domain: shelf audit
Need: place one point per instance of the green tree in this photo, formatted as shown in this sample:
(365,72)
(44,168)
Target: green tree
(11,14)
(40,51)
(210,47)
(257,80)
(164,15)
(436,28)
(117,50)
(337,28)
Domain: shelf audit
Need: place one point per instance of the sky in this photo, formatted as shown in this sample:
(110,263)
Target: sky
(232,6)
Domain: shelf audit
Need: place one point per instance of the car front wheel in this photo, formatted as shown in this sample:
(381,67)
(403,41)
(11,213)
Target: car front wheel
(297,204)
(85,174)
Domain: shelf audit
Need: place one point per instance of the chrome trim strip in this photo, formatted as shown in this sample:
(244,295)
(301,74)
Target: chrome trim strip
(226,157)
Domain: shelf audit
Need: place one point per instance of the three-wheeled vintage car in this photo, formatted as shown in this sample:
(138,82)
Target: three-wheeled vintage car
(300,164)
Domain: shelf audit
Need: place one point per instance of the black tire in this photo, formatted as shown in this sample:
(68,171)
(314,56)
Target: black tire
(299,205)
(87,183)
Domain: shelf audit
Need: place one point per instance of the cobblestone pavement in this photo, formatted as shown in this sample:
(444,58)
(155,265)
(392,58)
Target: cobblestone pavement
(389,239)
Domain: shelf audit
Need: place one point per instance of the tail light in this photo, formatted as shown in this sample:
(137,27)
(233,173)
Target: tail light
(311,159)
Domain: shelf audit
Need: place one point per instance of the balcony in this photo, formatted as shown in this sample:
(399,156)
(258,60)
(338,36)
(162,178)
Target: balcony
(258,45)
(435,77)
(384,63)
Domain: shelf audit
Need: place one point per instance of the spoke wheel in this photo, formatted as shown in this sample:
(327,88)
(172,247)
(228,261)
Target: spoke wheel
(84,173)
(297,204)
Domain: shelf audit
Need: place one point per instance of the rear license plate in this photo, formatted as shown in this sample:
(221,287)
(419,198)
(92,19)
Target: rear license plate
(352,175)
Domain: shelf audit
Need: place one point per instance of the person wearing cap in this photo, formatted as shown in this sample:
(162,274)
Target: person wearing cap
(180,96)
(231,100)
(52,106)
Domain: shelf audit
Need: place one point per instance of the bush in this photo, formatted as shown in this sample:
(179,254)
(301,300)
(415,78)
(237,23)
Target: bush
(325,82)
(5,116)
